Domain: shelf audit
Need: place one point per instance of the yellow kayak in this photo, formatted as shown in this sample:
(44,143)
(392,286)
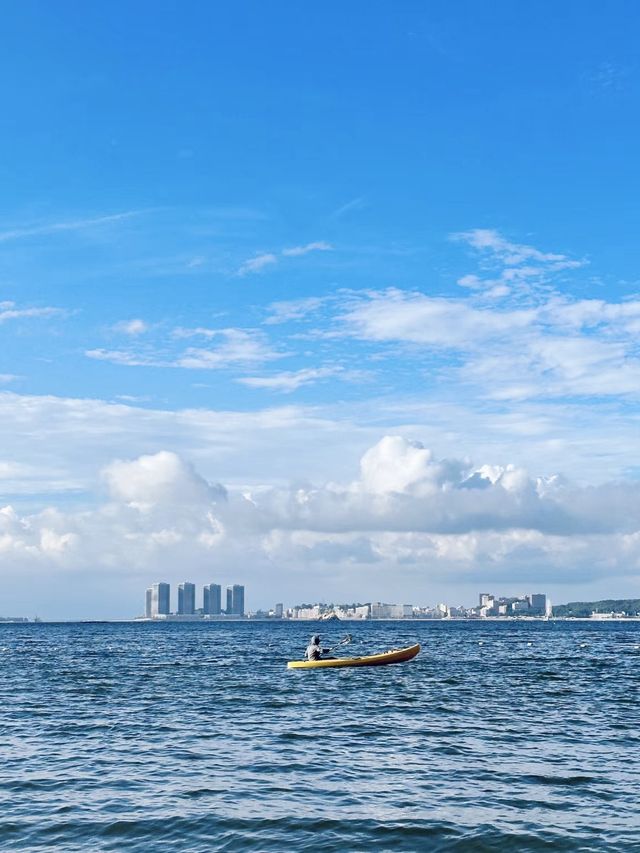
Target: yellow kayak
(392,656)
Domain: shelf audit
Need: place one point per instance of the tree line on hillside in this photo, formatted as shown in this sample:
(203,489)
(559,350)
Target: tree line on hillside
(628,606)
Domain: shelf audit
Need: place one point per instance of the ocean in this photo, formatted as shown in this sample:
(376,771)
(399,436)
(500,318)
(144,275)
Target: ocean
(195,737)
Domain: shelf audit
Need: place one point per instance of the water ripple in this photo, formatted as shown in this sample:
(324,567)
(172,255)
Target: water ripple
(149,737)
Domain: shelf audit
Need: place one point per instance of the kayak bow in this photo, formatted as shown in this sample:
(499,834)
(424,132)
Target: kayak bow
(392,656)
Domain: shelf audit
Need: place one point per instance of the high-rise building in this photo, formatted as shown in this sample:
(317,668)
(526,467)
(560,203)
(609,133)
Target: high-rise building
(541,604)
(147,602)
(212,599)
(237,603)
(158,603)
(229,607)
(278,611)
(186,599)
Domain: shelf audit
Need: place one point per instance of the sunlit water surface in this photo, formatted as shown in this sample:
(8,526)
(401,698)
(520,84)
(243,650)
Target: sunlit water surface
(193,737)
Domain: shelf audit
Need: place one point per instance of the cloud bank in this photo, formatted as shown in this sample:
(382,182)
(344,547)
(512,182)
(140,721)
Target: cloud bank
(445,518)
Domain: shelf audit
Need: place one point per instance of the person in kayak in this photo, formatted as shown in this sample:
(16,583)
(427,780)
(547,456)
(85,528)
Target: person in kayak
(314,649)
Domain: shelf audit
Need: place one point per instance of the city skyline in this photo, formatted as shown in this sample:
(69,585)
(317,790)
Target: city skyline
(158,600)
(306,308)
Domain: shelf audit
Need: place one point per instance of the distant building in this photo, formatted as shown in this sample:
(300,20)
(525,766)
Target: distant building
(391,611)
(541,604)
(212,599)
(147,603)
(186,599)
(278,611)
(307,612)
(237,600)
(159,602)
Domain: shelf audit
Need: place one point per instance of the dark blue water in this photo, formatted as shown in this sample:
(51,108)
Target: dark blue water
(151,737)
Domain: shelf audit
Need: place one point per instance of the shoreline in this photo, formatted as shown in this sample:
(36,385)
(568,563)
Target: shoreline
(520,620)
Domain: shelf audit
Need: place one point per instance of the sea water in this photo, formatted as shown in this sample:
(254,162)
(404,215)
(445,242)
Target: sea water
(195,737)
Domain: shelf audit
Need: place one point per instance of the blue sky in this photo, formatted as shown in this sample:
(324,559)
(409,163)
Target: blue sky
(244,243)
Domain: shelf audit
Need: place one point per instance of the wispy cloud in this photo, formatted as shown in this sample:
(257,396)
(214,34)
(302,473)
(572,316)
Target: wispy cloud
(515,348)
(70,225)
(229,348)
(257,264)
(9,311)
(260,262)
(293,309)
(354,204)
(122,357)
(297,251)
(237,346)
(289,381)
(514,265)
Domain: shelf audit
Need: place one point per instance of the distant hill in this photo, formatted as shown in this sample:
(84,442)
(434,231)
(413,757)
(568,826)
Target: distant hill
(630,606)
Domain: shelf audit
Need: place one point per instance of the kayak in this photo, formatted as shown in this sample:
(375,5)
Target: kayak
(392,656)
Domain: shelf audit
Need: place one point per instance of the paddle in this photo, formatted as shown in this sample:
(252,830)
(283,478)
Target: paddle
(343,642)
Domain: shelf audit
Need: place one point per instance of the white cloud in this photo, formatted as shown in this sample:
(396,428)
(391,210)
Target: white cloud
(288,381)
(512,254)
(446,518)
(553,348)
(268,259)
(237,347)
(9,311)
(257,264)
(233,347)
(396,315)
(294,309)
(297,251)
(518,267)
(161,478)
(125,358)
(131,327)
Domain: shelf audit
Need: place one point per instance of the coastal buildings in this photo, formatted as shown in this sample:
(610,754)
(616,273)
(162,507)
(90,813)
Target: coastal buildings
(212,600)
(537,604)
(157,606)
(158,602)
(186,599)
(235,600)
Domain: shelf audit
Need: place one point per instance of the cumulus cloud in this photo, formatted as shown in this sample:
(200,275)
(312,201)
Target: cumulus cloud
(162,478)
(449,518)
